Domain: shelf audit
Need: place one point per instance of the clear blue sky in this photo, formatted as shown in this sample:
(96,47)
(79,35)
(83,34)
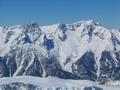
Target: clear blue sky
(46,12)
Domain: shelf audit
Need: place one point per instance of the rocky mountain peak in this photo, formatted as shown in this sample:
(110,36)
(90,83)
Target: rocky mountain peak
(75,51)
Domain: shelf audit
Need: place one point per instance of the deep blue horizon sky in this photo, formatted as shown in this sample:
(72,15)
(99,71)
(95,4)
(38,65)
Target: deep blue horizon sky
(46,12)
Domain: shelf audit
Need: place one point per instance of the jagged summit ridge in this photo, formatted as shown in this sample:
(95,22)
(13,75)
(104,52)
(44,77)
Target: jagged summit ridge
(81,50)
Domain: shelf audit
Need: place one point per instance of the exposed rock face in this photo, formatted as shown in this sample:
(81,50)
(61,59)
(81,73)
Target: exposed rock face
(4,72)
(85,67)
(109,68)
(62,32)
(82,50)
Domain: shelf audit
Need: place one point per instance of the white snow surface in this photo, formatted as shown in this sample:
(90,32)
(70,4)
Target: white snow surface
(54,82)
(46,82)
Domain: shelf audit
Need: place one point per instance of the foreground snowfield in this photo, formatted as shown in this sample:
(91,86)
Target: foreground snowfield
(46,82)
(54,83)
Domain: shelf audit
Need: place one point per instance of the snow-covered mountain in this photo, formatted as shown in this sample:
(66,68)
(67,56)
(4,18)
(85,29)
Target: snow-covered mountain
(81,50)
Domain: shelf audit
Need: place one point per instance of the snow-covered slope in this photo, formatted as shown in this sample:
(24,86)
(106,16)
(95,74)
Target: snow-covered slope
(37,83)
(81,50)
(46,82)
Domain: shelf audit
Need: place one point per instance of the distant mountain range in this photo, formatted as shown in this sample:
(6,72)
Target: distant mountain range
(83,50)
